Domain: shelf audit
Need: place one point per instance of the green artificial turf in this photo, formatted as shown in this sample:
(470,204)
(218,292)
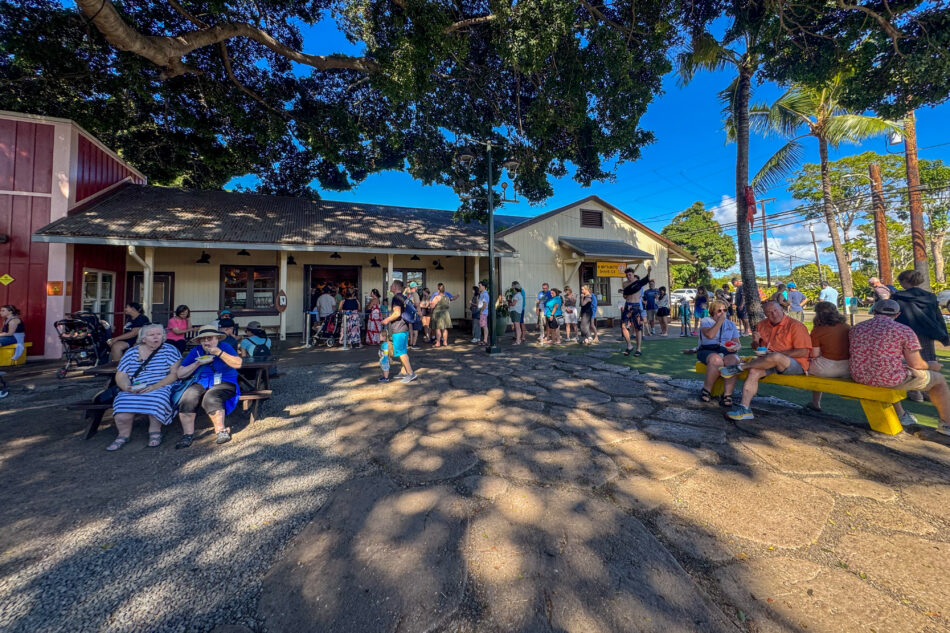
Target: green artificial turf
(664,356)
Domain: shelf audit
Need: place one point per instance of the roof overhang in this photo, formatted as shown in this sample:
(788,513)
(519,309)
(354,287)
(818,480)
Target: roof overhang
(296,248)
(604,250)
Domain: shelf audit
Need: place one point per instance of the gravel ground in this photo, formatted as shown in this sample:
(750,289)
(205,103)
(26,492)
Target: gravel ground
(155,540)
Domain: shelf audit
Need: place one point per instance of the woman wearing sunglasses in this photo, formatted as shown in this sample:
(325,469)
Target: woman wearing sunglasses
(718,344)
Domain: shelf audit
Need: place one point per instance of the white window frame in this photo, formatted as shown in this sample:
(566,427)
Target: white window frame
(97,309)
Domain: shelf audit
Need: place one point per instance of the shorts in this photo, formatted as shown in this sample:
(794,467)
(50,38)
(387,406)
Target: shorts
(703,354)
(651,315)
(702,313)
(630,315)
(517,317)
(417,326)
(918,380)
(663,312)
(797,314)
(210,399)
(742,314)
(570,317)
(794,369)
(483,319)
(826,368)
(400,340)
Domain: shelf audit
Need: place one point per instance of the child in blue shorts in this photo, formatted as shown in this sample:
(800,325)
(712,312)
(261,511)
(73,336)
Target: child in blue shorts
(385,355)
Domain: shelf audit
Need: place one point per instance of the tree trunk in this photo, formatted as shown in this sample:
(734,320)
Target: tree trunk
(743,237)
(937,238)
(844,271)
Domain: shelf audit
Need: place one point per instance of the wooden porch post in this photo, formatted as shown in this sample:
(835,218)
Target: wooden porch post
(148,282)
(282,286)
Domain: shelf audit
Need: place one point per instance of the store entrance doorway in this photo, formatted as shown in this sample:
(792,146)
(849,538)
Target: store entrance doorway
(340,278)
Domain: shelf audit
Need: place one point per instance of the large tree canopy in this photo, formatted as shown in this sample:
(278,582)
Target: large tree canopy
(196,92)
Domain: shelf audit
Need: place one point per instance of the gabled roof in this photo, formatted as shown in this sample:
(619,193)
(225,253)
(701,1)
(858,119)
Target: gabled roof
(674,249)
(607,249)
(162,216)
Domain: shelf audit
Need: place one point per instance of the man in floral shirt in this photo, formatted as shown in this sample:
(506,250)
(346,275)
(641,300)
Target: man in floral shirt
(885,353)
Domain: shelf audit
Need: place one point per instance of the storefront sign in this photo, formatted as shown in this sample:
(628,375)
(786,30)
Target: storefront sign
(281,301)
(611,269)
(6,280)
(54,289)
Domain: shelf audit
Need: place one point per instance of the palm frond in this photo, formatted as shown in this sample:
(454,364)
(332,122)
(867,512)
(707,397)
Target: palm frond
(704,53)
(728,96)
(778,166)
(855,128)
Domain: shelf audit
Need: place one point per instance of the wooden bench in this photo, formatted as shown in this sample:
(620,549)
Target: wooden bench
(94,412)
(7,351)
(877,402)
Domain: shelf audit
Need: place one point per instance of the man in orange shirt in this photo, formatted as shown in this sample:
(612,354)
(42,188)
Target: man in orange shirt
(787,345)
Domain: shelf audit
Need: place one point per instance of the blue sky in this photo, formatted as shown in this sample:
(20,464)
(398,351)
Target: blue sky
(689,161)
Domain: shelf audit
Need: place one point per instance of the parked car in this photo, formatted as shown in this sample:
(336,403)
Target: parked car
(677,295)
(943,298)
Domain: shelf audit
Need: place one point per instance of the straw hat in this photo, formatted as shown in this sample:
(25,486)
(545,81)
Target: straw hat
(208,330)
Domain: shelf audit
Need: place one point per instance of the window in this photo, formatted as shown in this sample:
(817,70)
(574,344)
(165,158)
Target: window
(592,219)
(97,294)
(599,286)
(408,275)
(249,288)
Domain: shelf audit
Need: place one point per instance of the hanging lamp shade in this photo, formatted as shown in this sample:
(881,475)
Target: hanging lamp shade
(414,258)
(373,263)
(291,261)
(204,259)
(336,255)
(243,253)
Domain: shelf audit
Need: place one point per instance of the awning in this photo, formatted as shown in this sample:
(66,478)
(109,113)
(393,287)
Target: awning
(604,249)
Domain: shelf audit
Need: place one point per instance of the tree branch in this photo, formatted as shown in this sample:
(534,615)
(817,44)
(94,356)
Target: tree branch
(463,24)
(890,29)
(167,51)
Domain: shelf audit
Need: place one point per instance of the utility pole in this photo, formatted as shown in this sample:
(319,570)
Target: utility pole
(921,263)
(814,243)
(880,225)
(765,243)
(789,265)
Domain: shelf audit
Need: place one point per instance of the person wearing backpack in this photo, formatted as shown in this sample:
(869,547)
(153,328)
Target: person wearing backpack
(402,315)
(255,342)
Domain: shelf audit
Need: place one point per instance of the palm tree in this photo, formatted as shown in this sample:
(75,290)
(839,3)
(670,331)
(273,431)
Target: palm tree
(705,53)
(818,110)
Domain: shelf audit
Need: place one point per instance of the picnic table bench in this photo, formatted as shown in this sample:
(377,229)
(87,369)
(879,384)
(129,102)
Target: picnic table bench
(877,402)
(255,379)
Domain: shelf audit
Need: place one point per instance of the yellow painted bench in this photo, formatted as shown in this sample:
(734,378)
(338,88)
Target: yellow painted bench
(877,402)
(6,355)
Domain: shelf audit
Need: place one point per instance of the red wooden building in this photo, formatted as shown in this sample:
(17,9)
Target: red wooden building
(49,168)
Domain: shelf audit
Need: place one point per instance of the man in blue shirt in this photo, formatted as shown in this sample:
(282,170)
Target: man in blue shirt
(828,294)
(649,304)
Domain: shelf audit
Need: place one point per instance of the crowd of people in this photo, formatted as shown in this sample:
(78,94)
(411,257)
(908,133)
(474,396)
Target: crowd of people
(895,348)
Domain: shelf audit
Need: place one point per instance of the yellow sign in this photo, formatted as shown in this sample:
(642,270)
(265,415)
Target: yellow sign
(611,269)
(6,280)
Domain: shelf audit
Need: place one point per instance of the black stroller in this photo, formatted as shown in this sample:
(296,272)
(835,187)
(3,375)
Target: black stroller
(84,338)
(328,332)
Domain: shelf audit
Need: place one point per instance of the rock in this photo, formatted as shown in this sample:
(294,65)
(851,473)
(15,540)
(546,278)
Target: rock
(933,500)
(621,386)
(421,458)
(572,397)
(913,568)
(782,594)
(709,417)
(639,494)
(853,487)
(757,505)
(792,456)
(485,487)
(474,381)
(683,433)
(556,465)
(529,550)
(589,428)
(375,558)
(623,409)
(695,539)
(887,517)
(657,460)
(541,435)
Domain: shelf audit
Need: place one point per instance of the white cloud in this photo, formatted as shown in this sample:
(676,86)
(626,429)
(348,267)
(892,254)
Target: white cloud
(725,211)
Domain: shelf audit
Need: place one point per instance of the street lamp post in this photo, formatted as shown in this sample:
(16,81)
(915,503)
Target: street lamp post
(511,166)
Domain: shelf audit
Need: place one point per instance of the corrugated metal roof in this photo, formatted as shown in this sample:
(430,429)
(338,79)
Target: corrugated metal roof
(138,214)
(604,248)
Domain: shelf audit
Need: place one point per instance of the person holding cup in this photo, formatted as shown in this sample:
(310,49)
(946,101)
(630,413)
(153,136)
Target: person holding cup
(718,344)
(214,365)
(787,348)
(830,353)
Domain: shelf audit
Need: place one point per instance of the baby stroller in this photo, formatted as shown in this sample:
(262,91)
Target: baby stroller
(84,337)
(328,332)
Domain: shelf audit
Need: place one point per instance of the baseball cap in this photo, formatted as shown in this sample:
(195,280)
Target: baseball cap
(887,307)
(226,323)
(413,284)
(791,284)
(254,325)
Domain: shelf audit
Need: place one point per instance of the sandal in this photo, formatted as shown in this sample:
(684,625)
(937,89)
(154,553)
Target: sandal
(725,401)
(638,353)
(705,396)
(155,439)
(222,437)
(813,408)
(626,352)
(117,443)
(185,441)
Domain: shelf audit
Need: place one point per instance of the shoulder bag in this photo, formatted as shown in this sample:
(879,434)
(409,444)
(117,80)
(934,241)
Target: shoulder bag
(107,395)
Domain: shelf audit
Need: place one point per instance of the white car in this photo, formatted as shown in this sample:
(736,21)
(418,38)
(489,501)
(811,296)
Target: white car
(677,295)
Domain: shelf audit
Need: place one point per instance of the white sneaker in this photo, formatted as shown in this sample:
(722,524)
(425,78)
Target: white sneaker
(908,419)
(475,340)
(408,378)
(943,428)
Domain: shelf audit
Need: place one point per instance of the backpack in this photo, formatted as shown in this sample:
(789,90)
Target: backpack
(261,351)
(409,313)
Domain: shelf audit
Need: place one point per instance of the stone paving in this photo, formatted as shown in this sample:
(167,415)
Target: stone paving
(506,494)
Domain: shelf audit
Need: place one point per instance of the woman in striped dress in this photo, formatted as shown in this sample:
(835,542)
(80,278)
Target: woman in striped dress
(145,390)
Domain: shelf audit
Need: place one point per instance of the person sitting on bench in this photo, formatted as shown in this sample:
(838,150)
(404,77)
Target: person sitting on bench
(885,353)
(214,364)
(787,346)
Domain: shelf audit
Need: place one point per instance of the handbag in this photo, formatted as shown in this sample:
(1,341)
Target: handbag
(179,388)
(107,395)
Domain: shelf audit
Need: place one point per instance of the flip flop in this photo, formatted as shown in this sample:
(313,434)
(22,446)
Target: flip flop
(117,443)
